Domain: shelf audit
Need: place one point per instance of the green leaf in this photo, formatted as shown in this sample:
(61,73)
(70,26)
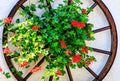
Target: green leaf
(73,66)
(79,64)
(13,69)
(18,21)
(79,42)
(1,22)
(41,1)
(16,59)
(33,7)
(43,78)
(20,73)
(7,75)
(89,9)
(90,49)
(77,1)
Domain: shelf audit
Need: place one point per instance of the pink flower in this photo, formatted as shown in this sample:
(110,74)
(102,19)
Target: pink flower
(7,20)
(35,69)
(13,33)
(0,69)
(24,64)
(6,50)
(76,58)
(68,52)
(58,72)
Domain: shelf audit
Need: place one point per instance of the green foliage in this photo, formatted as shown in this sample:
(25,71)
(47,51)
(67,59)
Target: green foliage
(7,74)
(20,73)
(42,35)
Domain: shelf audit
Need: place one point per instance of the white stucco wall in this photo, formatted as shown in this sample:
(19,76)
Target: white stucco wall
(113,75)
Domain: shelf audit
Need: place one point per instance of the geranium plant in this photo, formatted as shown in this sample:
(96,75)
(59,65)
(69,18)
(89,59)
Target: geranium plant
(59,34)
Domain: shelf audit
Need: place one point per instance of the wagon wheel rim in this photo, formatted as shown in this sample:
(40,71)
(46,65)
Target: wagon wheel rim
(111,53)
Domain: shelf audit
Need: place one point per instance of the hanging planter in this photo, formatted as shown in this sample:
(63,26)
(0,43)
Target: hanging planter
(59,35)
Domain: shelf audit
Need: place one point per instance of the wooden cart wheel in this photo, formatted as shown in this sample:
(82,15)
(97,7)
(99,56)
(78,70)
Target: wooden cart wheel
(110,54)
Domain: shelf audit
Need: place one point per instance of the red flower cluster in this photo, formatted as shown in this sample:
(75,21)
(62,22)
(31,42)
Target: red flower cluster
(35,27)
(76,58)
(6,50)
(84,11)
(85,50)
(0,69)
(88,62)
(63,45)
(68,52)
(58,72)
(7,20)
(77,24)
(35,69)
(24,64)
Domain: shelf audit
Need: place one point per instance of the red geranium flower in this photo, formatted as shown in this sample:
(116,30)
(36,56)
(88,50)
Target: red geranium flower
(74,23)
(85,49)
(62,41)
(81,25)
(63,45)
(89,62)
(35,27)
(35,69)
(68,52)
(0,69)
(24,64)
(6,50)
(58,72)
(76,58)
(77,24)
(84,11)
(7,20)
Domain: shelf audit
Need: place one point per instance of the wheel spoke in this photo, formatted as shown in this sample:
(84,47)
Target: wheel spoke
(93,6)
(92,72)
(69,73)
(102,51)
(101,29)
(5,37)
(19,3)
(51,78)
(39,63)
